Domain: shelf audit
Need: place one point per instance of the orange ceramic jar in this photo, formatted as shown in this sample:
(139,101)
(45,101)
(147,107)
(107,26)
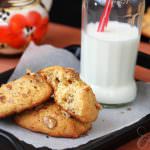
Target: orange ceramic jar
(21,21)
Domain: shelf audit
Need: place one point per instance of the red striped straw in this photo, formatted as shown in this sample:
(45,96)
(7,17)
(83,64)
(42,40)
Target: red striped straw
(105,16)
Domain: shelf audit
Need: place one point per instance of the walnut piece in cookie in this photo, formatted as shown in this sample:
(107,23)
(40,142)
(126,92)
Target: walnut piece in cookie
(2,98)
(50,122)
(65,114)
(9,86)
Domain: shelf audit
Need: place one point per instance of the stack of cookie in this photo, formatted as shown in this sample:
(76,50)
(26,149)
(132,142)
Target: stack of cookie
(53,101)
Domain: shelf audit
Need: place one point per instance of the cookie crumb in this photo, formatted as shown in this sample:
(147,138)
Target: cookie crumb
(98,106)
(28,72)
(129,109)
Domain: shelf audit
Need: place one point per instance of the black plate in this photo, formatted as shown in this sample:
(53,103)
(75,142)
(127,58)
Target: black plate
(114,140)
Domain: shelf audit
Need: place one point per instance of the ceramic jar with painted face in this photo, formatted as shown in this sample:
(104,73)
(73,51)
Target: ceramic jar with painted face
(21,21)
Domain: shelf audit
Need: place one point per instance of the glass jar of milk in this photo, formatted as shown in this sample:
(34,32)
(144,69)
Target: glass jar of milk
(108,58)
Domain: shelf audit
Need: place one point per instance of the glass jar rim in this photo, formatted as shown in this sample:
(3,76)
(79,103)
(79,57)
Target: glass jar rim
(15,3)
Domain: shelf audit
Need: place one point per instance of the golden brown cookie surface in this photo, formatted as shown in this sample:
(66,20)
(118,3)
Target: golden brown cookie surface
(50,119)
(71,93)
(22,94)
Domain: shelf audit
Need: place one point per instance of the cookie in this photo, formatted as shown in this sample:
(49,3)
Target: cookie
(24,93)
(146,24)
(51,120)
(71,93)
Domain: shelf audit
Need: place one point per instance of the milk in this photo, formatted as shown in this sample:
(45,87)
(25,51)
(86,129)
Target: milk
(108,60)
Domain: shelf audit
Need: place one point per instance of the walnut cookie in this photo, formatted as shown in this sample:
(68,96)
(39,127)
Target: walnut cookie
(24,93)
(50,119)
(71,93)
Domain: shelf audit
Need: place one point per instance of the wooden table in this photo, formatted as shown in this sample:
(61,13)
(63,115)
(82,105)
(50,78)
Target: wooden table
(61,36)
